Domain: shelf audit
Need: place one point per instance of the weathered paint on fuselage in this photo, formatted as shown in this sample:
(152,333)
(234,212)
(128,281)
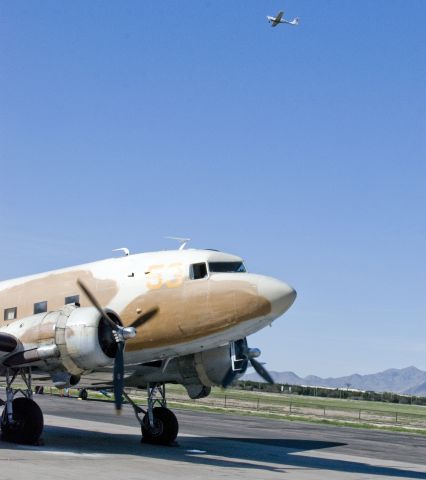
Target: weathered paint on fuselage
(220,307)
(197,309)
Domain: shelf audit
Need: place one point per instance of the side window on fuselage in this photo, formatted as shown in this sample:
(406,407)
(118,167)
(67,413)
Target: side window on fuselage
(197,271)
(10,313)
(40,307)
(72,299)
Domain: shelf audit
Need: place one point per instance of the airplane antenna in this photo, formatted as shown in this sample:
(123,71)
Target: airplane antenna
(125,250)
(183,241)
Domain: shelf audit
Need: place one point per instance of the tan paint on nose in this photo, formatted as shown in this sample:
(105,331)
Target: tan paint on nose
(198,309)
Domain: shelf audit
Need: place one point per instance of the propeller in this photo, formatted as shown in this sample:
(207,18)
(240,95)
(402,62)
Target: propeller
(118,376)
(246,355)
(120,335)
(261,370)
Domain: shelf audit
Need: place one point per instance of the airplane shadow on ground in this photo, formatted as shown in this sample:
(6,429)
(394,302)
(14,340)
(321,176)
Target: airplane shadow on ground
(275,455)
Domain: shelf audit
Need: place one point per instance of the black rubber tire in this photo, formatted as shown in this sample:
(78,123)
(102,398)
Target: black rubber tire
(83,394)
(28,422)
(166,427)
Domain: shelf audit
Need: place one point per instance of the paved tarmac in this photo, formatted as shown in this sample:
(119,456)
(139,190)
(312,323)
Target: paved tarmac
(85,439)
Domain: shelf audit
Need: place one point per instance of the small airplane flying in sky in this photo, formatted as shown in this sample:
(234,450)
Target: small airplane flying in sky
(144,320)
(274,21)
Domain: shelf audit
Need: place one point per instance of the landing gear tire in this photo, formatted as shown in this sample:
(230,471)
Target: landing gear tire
(83,394)
(27,426)
(165,429)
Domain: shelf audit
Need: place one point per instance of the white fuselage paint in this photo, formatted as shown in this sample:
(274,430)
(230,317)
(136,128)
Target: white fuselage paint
(135,278)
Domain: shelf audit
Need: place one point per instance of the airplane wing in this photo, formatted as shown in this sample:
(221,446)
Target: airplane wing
(274,21)
(279,17)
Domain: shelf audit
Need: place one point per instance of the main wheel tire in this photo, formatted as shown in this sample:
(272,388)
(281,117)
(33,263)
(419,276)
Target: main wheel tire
(83,394)
(27,426)
(165,428)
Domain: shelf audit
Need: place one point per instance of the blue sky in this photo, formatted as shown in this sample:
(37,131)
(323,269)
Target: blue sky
(301,149)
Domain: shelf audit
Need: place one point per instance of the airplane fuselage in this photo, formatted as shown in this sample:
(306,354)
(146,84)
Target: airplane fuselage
(205,299)
(180,317)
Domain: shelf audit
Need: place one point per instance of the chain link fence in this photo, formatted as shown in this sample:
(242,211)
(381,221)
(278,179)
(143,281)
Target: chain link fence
(285,407)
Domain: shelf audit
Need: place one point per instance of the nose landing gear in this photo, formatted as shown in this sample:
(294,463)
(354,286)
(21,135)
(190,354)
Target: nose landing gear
(22,419)
(159,425)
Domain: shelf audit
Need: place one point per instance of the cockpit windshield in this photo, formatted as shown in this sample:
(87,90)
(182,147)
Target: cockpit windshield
(226,267)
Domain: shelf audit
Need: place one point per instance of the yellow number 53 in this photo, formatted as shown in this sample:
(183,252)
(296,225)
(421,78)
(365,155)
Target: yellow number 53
(171,276)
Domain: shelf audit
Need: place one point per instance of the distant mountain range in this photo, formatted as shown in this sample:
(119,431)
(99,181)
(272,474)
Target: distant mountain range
(408,380)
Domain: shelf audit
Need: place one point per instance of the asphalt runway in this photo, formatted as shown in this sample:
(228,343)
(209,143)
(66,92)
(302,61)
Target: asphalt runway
(85,439)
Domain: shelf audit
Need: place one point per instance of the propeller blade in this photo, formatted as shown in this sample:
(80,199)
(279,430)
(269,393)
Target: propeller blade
(121,334)
(145,317)
(118,377)
(261,370)
(96,304)
(228,378)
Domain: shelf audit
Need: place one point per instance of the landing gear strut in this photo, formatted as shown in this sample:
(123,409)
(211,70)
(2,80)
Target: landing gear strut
(22,419)
(159,425)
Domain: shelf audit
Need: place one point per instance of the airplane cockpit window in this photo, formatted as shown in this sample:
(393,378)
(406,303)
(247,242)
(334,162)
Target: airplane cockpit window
(198,270)
(227,267)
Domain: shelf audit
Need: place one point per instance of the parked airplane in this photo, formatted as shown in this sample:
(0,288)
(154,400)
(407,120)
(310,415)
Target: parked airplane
(274,21)
(179,316)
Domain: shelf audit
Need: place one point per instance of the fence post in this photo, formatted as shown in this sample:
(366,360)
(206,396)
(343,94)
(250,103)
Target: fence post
(324,411)
(290,407)
(396,417)
(359,415)
(225,401)
(258,400)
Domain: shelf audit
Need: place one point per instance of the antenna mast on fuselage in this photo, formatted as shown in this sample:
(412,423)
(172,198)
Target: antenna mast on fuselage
(183,241)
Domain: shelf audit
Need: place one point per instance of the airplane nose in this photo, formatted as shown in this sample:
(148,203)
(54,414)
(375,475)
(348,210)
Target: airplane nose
(280,295)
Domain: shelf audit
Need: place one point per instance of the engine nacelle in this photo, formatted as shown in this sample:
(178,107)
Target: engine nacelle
(81,341)
(196,372)
(71,339)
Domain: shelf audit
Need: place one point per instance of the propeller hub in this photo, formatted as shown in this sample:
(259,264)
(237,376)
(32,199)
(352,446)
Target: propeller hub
(121,334)
(253,353)
(128,332)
